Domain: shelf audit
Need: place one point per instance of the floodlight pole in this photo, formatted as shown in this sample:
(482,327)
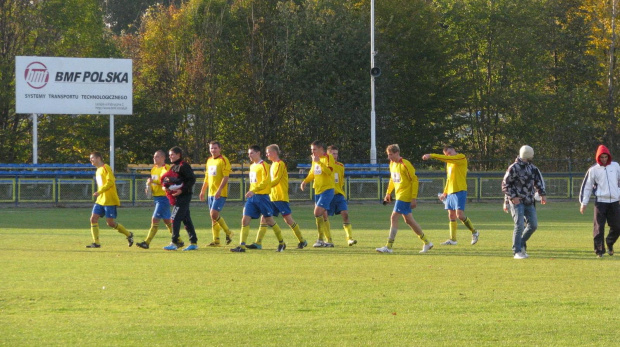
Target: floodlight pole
(373,144)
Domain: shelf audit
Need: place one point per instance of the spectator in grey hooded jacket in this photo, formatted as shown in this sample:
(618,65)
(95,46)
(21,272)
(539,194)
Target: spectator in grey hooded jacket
(603,179)
(521,183)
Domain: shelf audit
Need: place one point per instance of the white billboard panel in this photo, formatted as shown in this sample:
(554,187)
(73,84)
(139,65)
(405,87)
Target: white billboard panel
(54,85)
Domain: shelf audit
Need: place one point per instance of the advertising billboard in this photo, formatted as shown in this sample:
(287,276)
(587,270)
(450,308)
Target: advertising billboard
(58,85)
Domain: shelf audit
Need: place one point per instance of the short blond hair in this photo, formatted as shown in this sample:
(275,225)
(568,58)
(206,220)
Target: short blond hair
(393,148)
(274,148)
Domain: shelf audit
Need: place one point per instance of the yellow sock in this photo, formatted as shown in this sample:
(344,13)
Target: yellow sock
(223,225)
(348,229)
(152,232)
(390,243)
(423,238)
(121,229)
(262,230)
(215,230)
(319,227)
(278,232)
(453,230)
(467,222)
(327,229)
(245,231)
(94,231)
(297,232)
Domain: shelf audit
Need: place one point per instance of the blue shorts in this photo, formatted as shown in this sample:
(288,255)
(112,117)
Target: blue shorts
(281,207)
(162,207)
(402,207)
(107,211)
(257,205)
(339,204)
(216,204)
(324,199)
(456,201)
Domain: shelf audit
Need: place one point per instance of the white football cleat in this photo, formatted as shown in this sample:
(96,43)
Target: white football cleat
(474,237)
(427,247)
(449,242)
(384,249)
(319,243)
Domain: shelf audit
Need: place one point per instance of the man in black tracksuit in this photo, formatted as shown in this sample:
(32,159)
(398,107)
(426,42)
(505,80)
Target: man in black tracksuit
(180,212)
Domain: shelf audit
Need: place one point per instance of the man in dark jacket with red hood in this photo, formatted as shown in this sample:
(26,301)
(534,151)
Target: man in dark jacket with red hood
(603,179)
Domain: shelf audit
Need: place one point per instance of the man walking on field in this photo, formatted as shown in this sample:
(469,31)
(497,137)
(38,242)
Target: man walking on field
(107,201)
(603,179)
(216,184)
(404,181)
(454,195)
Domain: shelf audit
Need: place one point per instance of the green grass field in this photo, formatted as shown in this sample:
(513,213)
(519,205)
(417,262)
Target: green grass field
(54,291)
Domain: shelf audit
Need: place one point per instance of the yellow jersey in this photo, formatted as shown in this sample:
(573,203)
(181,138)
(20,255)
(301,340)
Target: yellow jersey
(217,168)
(279,181)
(260,182)
(456,170)
(404,180)
(322,174)
(156,172)
(106,187)
(339,180)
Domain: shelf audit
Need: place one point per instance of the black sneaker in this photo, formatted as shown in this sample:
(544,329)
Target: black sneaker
(130,239)
(238,249)
(254,246)
(281,247)
(302,244)
(93,245)
(143,244)
(229,238)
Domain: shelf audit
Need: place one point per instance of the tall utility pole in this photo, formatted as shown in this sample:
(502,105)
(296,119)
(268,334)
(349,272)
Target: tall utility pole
(373,142)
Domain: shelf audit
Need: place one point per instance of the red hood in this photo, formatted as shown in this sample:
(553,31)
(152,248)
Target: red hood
(602,150)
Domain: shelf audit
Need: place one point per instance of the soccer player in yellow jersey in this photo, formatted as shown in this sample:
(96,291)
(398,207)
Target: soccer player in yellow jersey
(162,205)
(404,181)
(258,203)
(339,202)
(454,195)
(216,181)
(322,173)
(279,199)
(107,200)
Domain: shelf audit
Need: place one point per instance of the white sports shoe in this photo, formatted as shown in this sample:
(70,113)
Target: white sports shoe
(474,237)
(449,242)
(328,244)
(427,247)
(384,249)
(319,243)
(352,242)
(520,255)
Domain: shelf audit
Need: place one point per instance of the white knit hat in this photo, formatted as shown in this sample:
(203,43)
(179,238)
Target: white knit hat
(526,152)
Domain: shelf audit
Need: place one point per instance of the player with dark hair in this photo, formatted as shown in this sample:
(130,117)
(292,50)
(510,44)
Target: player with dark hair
(183,196)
